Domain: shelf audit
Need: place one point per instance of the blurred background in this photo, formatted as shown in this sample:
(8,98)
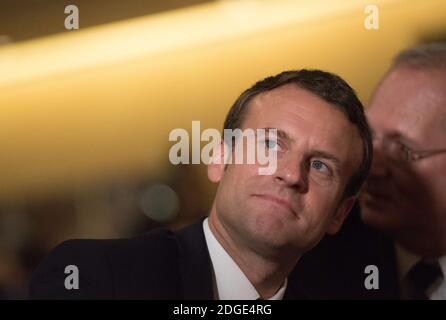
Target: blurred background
(85,114)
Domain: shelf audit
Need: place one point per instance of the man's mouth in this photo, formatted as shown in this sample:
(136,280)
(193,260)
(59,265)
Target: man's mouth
(375,199)
(282,202)
(378,192)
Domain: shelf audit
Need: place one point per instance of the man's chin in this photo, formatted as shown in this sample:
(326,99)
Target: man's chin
(375,204)
(271,228)
(377,216)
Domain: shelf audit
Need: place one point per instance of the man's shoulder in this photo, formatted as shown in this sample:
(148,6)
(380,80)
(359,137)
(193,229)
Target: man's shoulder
(114,268)
(97,252)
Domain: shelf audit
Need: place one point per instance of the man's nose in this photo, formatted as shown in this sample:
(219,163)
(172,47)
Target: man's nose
(292,173)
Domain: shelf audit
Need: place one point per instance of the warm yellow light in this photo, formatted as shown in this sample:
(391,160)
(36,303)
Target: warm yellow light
(162,33)
(98,103)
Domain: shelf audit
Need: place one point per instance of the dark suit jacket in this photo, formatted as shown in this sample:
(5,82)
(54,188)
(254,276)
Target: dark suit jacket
(158,265)
(335,268)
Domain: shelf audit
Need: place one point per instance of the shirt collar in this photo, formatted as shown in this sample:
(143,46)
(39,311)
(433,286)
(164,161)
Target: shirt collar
(231,282)
(406,260)
(442,263)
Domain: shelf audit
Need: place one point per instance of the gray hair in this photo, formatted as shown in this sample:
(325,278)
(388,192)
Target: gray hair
(430,57)
(427,56)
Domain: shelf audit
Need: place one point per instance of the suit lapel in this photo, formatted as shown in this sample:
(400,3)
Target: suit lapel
(195,263)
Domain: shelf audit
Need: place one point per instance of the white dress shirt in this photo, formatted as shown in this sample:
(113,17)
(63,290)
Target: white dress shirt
(439,292)
(229,280)
(406,260)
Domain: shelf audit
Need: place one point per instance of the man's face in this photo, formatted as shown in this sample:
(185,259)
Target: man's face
(407,200)
(318,150)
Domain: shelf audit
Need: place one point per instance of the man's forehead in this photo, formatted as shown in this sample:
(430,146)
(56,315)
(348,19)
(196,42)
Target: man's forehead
(290,105)
(289,91)
(409,101)
(407,82)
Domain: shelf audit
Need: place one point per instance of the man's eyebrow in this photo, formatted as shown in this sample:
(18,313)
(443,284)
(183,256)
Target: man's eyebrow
(280,134)
(399,136)
(402,138)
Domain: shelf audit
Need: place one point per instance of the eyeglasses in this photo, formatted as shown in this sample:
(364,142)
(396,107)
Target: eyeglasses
(399,151)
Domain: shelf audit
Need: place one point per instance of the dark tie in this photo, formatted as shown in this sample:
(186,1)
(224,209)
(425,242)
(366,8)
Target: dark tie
(420,278)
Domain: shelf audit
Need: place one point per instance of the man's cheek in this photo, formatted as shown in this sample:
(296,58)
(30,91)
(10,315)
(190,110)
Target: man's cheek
(408,189)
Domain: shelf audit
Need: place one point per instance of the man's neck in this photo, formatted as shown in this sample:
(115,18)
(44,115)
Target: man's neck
(426,245)
(265,274)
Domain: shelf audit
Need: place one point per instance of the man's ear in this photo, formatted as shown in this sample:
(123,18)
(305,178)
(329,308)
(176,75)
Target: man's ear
(340,215)
(216,166)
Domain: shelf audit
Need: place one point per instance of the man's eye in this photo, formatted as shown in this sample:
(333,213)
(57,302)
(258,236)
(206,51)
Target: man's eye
(403,147)
(319,166)
(271,144)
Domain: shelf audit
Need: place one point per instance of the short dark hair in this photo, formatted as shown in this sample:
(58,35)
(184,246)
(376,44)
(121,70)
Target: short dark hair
(332,89)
